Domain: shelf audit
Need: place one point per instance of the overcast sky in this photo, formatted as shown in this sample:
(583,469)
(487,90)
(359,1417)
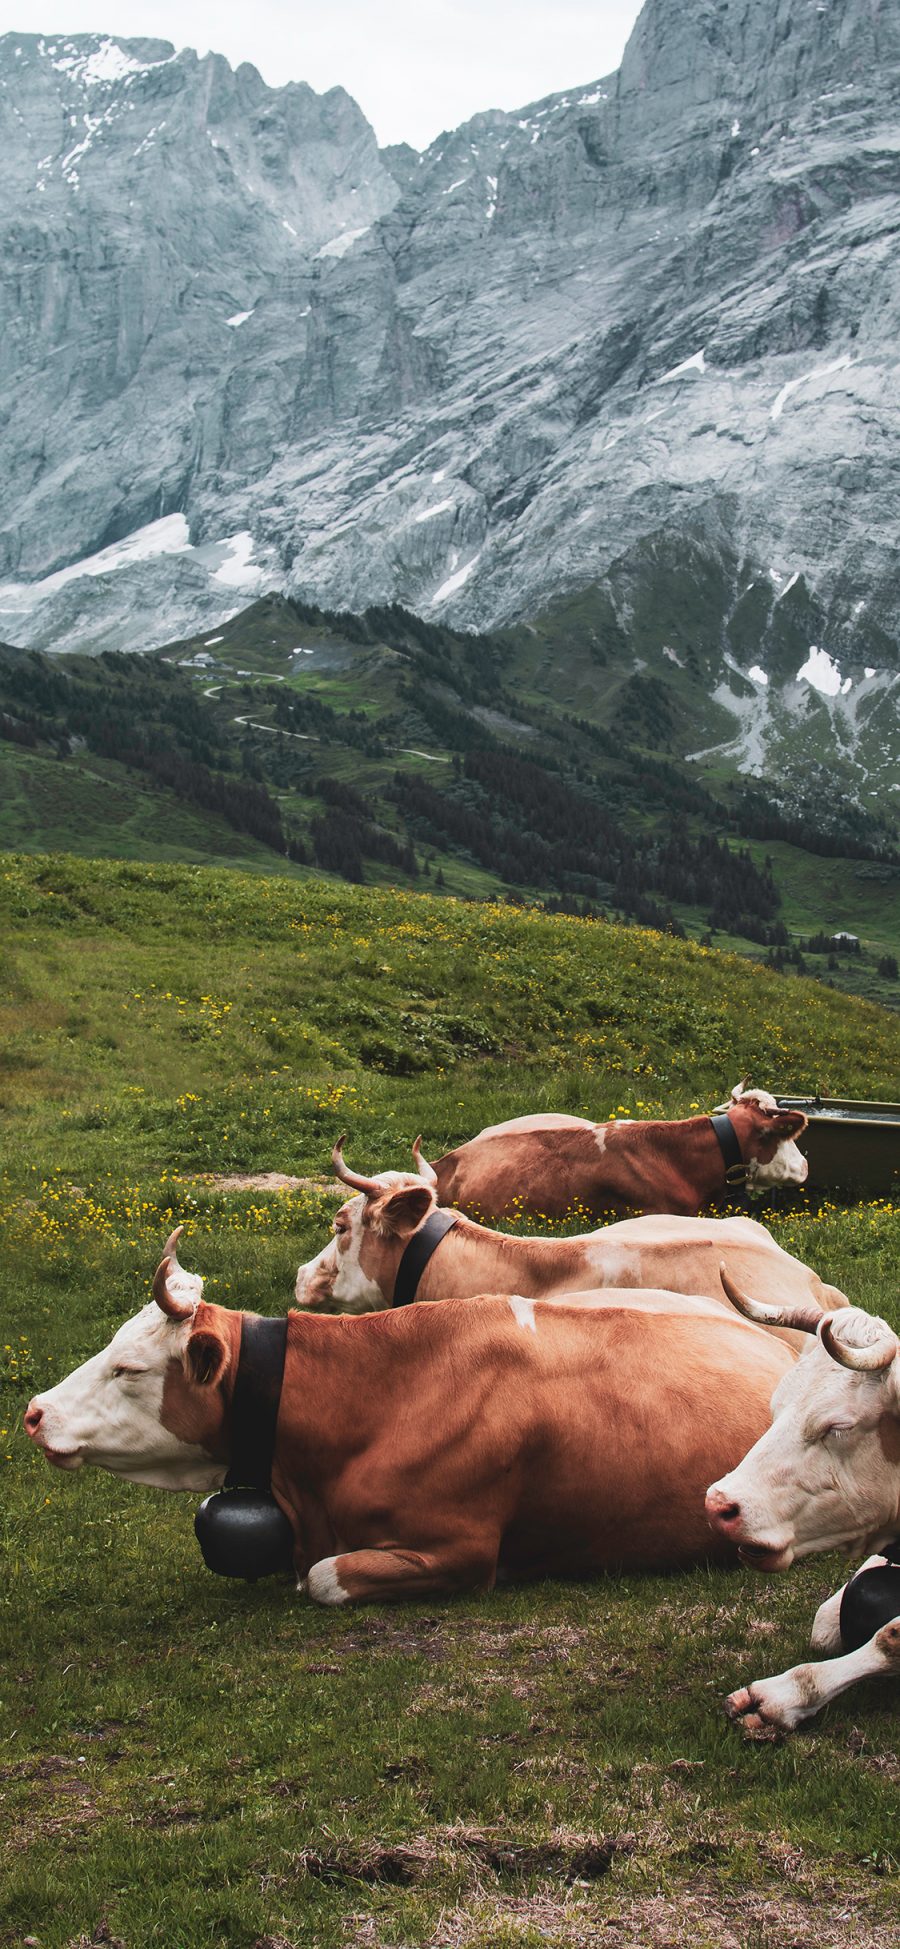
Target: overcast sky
(415,66)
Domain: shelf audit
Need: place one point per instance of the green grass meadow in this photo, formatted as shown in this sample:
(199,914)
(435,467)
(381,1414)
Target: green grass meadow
(191,1762)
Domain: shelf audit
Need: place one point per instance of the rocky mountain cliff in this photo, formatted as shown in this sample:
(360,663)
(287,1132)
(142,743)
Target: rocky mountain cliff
(642,336)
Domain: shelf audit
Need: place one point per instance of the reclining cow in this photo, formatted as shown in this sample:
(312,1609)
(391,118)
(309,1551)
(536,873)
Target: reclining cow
(825,1476)
(551,1166)
(391,1244)
(424,1450)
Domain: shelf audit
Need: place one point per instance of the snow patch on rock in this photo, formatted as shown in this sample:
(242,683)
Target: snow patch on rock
(338,246)
(105,64)
(238,571)
(455,581)
(821,671)
(820,372)
(696,363)
(169,536)
(428,514)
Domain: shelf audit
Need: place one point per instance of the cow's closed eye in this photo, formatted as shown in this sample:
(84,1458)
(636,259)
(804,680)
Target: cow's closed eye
(127,1373)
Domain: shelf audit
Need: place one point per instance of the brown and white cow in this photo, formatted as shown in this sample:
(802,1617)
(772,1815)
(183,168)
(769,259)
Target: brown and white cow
(825,1476)
(357,1271)
(551,1166)
(425,1450)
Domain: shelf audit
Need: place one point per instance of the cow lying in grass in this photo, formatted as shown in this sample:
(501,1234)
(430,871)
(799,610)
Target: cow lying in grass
(550,1166)
(825,1476)
(429,1449)
(358,1271)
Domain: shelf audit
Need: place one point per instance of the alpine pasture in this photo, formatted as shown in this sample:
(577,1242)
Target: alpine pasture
(192,1762)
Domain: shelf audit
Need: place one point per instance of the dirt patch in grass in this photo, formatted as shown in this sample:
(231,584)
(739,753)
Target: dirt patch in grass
(399,1633)
(573,1858)
(271,1181)
(62,1807)
(45,1767)
(65,1828)
(537,1644)
(169,1817)
(102,1938)
(885,1764)
(581,1858)
(694,1918)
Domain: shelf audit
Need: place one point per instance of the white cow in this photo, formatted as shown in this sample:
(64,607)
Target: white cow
(825,1476)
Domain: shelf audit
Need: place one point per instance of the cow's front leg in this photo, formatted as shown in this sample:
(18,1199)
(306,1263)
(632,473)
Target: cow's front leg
(773,1705)
(385,1576)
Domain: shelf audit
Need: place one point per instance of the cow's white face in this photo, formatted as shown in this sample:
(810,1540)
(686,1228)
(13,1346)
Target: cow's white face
(356,1272)
(826,1475)
(128,1408)
(767,1139)
(787,1166)
(334,1281)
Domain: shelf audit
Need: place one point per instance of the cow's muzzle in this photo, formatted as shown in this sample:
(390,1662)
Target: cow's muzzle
(725,1514)
(61,1458)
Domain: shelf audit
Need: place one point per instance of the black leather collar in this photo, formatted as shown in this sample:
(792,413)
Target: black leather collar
(417,1254)
(255,1401)
(732,1156)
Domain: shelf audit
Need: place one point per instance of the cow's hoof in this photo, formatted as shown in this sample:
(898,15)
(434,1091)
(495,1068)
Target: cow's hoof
(747,1712)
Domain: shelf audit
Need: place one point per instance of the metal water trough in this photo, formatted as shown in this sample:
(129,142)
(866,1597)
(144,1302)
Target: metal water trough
(851,1146)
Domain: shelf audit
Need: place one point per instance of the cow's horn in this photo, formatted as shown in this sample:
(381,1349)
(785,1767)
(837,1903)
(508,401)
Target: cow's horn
(177,1309)
(864,1360)
(425,1170)
(370,1186)
(805,1318)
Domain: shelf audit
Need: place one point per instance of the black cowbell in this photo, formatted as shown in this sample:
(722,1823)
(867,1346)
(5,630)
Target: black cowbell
(871,1599)
(243,1533)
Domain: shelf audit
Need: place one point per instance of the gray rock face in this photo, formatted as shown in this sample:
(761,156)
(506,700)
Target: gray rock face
(664,305)
(149,201)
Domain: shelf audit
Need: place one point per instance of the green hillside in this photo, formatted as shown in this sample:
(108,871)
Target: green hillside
(383,750)
(101,808)
(178,1009)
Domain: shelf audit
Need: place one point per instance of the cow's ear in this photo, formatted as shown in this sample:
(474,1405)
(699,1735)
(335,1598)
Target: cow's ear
(784,1123)
(205,1357)
(402,1210)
